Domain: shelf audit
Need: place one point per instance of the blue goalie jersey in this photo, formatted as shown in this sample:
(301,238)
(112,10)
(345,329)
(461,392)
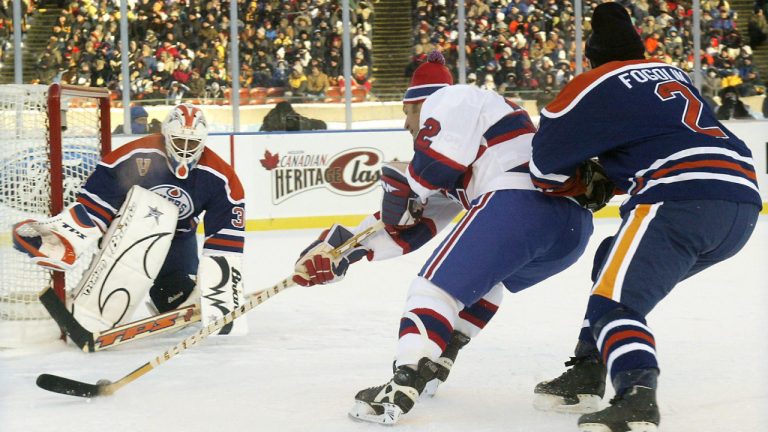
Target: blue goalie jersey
(211,187)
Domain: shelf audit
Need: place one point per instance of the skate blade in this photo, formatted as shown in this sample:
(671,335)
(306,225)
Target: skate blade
(431,388)
(365,412)
(587,404)
(633,427)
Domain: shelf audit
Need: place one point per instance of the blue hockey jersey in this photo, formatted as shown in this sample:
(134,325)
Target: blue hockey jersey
(654,136)
(211,187)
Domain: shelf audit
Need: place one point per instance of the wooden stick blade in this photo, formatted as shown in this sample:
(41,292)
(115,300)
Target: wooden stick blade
(66,386)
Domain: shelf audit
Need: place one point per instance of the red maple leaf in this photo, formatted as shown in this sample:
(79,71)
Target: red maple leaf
(270,161)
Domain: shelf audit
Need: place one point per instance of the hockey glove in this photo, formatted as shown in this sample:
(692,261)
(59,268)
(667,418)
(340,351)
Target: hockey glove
(57,242)
(599,189)
(318,266)
(400,206)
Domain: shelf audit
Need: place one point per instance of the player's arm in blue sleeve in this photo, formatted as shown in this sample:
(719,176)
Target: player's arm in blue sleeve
(103,194)
(224,221)
(565,141)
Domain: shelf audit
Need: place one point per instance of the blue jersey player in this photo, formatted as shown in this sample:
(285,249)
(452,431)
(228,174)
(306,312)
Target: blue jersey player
(196,180)
(691,201)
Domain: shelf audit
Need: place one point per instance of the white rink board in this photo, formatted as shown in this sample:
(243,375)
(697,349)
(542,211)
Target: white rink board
(278,193)
(350,159)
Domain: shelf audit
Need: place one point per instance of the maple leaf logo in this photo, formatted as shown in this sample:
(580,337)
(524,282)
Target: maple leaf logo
(270,160)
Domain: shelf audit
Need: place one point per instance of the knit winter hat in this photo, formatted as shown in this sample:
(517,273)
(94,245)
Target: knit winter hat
(613,36)
(428,78)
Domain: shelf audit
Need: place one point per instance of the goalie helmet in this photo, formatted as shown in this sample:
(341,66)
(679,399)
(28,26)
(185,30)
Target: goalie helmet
(185,131)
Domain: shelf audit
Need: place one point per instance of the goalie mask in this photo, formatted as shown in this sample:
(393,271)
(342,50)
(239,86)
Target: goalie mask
(185,131)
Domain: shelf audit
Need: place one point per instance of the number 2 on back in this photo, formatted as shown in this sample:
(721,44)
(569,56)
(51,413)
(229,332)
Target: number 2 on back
(693,107)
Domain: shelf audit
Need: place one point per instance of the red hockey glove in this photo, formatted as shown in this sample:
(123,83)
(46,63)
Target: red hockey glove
(318,266)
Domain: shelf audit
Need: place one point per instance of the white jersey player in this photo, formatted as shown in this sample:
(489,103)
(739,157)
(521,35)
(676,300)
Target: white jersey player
(472,148)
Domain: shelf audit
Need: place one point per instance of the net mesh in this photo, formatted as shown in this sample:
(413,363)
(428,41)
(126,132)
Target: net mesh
(25,188)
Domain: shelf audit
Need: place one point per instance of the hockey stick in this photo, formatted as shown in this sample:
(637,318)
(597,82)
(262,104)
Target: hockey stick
(96,341)
(70,387)
(90,341)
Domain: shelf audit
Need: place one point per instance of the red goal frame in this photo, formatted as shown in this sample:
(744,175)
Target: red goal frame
(98,98)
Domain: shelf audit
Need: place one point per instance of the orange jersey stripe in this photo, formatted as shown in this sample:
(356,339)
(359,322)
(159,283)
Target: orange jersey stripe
(607,282)
(213,161)
(154,141)
(227,243)
(580,83)
(706,164)
(99,210)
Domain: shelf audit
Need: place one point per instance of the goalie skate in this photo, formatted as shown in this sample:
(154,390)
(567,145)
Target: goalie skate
(386,403)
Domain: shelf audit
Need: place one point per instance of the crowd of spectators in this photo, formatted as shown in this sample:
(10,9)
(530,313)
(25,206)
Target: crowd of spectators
(527,48)
(6,23)
(181,49)
(522,48)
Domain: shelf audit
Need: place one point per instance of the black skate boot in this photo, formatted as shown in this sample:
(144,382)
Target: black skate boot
(635,411)
(446,360)
(577,390)
(384,404)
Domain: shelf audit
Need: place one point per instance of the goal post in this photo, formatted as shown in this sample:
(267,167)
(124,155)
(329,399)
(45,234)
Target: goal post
(52,138)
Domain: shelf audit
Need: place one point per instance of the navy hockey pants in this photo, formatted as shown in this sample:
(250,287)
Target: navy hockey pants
(517,237)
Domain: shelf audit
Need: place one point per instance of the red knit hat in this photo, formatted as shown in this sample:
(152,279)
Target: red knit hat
(428,78)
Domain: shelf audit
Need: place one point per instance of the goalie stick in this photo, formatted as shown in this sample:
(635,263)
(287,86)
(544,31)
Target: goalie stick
(89,341)
(71,387)
(97,341)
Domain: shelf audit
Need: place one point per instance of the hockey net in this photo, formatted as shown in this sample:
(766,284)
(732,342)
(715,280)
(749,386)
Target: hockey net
(52,139)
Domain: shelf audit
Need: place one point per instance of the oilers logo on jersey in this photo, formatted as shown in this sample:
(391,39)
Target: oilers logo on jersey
(178,196)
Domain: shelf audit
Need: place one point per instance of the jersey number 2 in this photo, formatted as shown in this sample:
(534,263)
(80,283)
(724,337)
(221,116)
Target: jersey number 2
(431,128)
(693,107)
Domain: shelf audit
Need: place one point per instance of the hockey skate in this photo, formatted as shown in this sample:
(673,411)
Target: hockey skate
(384,404)
(577,390)
(446,360)
(635,411)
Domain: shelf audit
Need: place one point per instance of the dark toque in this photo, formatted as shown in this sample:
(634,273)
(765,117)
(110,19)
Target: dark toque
(613,36)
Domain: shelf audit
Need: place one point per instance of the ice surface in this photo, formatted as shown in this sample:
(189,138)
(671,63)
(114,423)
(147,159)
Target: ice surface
(311,349)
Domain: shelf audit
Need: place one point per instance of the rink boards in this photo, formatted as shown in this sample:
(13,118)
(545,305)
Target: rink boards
(313,179)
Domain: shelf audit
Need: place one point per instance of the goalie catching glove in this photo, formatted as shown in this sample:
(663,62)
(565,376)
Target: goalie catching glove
(401,207)
(57,242)
(317,265)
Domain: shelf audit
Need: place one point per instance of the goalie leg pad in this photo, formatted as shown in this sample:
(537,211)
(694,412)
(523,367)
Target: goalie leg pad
(135,245)
(221,291)
(56,243)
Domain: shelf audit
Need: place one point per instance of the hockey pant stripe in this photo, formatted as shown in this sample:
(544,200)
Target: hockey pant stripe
(609,282)
(448,244)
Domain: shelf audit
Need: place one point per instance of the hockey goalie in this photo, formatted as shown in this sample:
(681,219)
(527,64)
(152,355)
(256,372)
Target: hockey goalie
(142,205)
